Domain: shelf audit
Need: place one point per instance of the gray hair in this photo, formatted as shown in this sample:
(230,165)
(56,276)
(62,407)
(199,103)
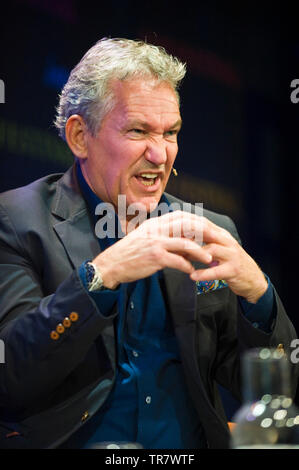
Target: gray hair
(87,90)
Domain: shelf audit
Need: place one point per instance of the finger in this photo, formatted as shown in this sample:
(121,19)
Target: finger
(176,224)
(175,261)
(217,235)
(219,252)
(220,271)
(187,225)
(188,248)
(170,217)
(198,228)
(177,214)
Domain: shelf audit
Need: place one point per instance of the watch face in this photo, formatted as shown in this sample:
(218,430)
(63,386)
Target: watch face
(95,281)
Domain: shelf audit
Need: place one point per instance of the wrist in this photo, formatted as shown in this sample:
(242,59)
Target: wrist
(107,276)
(258,291)
(92,277)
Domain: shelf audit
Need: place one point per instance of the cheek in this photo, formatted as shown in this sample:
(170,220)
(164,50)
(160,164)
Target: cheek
(172,153)
(128,155)
(123,162)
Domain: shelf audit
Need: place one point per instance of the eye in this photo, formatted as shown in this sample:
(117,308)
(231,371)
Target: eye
(171,134)
(137,131)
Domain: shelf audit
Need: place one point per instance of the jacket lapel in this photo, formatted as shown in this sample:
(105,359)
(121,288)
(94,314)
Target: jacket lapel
(73,224)
(78,238)
(182,300)
(181,296)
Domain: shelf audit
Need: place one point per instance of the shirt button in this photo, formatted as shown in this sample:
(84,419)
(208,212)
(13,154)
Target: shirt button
(132,305)
(135,353)
(148,399)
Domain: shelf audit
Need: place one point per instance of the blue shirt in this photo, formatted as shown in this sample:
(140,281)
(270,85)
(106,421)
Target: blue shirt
(149,403)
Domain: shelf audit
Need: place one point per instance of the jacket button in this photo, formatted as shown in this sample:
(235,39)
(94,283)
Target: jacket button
(54,335)
(60,328)
(84,416)
(67,322)
(74,316)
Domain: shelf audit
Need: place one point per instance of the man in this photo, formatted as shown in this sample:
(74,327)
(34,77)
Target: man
(123,338)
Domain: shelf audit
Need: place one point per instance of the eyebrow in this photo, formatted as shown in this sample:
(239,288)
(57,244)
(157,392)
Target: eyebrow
(178,124)
(145,125)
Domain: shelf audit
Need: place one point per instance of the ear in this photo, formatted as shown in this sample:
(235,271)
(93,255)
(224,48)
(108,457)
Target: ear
(75,133)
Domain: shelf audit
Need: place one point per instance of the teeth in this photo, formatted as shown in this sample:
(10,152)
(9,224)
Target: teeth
(148,175)
(151,178)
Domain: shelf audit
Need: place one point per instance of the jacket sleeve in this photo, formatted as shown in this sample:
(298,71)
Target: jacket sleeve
(236,334)
(45,338)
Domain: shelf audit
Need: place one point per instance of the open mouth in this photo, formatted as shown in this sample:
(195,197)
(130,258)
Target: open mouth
(148,179)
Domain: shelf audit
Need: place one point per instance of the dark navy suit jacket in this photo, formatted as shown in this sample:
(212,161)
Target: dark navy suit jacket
(54,379)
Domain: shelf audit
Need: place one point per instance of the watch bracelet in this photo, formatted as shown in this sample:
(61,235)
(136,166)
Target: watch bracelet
(93,277)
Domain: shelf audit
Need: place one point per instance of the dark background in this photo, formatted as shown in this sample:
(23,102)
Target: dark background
(238,145)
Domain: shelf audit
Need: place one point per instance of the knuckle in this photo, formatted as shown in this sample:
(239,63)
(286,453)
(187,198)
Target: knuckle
(212,247)
(155,251)
(187,244)
(236,271)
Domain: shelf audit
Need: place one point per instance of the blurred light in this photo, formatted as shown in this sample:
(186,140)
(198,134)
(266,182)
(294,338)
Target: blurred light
(250,417)
(258,409)
(55,76)
(113,446)
(266,398)
(265,353)
(275,403)
(286,402)
(280,414)
(266,423)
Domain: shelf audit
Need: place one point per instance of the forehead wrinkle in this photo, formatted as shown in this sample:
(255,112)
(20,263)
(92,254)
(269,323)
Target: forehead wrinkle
(143,105)
(160,105)
(151,116)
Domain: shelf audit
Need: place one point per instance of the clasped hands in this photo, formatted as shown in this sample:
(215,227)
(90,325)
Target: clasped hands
(171,240)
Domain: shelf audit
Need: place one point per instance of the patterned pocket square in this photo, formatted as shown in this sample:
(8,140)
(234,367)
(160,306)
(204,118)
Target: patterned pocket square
(206,286)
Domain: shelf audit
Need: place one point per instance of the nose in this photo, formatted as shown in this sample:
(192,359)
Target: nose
(156,153)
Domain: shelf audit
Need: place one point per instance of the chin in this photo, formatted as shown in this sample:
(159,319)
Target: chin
(148,203)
